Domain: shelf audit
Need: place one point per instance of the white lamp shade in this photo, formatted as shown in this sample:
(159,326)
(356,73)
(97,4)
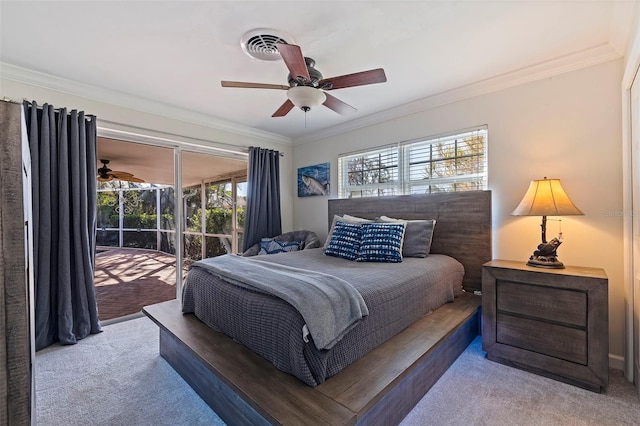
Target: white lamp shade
(305,96)
(546,197)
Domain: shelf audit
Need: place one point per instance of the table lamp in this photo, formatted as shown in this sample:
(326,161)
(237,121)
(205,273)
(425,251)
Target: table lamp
(546,197)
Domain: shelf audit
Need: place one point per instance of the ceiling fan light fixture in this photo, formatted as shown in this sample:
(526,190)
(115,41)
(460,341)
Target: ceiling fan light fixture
(305,97)
(306,84)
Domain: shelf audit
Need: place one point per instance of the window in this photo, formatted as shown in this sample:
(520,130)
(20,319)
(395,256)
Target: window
(127,215)
(214,218)
(445,163)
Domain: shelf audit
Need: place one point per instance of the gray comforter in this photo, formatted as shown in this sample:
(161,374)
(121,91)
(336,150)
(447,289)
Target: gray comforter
(396,294)
(329,305)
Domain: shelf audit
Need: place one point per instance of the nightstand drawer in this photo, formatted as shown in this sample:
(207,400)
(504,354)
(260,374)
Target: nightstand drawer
(568,343)
(548,303)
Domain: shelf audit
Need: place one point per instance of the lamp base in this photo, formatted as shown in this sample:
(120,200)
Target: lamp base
(545,262)
(545,256)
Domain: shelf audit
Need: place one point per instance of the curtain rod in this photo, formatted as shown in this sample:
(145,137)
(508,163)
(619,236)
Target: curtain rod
(281,154)
(93,117)
(9,100)
(167,136)
(5,99)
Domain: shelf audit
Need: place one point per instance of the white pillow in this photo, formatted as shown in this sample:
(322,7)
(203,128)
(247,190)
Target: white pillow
(355,219)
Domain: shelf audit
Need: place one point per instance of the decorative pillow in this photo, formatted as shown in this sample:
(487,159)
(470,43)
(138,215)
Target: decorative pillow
(381,242)
(345,218)
(271,246)
(345,240)
(354,219)
(417,235)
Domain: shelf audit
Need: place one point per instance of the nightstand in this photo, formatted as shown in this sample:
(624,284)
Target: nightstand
(552,322)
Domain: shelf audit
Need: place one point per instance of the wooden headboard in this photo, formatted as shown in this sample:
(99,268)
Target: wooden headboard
(463,223)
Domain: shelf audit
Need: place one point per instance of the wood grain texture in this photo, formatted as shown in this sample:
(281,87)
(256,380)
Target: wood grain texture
(283,109)
(547,342)
(252,381)
(214,391)
(338,106)
(404,395)
(15,353)
(293,58)
(551,304)
(463,223)
(380,388)
(567,343)
(246,85)
(356,79)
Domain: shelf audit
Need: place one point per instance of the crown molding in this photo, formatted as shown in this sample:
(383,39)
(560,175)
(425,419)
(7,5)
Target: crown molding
(578,60)
(95,93)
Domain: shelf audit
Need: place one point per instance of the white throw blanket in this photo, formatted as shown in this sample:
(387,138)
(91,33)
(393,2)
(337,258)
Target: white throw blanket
(330,306)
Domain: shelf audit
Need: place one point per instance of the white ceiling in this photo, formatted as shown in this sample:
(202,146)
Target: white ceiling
(175,53)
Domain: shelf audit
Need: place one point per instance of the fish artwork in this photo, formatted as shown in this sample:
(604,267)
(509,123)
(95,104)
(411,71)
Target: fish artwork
(314,180)
(314,186)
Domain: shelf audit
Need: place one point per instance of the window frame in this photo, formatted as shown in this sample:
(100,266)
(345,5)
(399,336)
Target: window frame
(403,184)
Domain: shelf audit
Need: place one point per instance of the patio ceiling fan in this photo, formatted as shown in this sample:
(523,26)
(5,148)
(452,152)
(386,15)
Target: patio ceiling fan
(307,88)
(105,174)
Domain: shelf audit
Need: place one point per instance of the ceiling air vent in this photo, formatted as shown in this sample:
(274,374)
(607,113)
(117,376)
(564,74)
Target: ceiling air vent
(261,43)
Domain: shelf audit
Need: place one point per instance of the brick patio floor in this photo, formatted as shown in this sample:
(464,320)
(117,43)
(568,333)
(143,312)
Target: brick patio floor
(128,279)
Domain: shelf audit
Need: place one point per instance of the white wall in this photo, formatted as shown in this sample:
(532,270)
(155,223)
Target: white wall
(126,116)
(566,127)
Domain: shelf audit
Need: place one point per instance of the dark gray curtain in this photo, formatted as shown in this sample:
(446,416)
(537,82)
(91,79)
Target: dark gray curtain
(263,196)
(63,165)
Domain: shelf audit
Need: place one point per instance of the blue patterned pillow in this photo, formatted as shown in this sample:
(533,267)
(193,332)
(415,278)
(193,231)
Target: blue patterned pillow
(381,242)
(345,240)
(271,246)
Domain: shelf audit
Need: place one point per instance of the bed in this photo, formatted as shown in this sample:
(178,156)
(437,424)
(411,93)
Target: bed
(461,240)
(395,295)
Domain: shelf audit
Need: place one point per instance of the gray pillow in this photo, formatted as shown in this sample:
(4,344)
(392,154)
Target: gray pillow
(417,236)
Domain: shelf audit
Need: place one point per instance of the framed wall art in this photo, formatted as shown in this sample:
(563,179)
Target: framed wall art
(313,180)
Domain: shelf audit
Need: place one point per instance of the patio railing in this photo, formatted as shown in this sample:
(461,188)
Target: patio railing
(128,217)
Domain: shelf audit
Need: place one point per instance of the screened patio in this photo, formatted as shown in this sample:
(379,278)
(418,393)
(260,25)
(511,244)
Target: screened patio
(136,255)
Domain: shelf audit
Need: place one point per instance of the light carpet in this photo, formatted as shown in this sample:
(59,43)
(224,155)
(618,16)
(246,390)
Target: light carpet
(117,377)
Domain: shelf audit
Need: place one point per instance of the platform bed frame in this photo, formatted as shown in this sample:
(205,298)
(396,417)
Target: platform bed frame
(379,388)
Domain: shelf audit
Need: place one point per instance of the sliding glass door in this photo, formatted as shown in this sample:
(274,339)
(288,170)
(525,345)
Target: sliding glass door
(189,206)
(213,207)
(135,263)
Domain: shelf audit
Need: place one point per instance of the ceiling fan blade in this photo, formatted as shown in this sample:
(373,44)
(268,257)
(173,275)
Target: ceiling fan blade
(118,174)
(253,85)
(131,179)
(338,106)
(284,109)
(292,56)
(104,179)
(356,79)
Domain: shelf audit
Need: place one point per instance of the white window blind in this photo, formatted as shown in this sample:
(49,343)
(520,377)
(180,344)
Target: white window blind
(446,163)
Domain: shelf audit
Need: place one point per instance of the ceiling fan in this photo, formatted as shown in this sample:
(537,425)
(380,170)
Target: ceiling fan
(307,88)
(105,174)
